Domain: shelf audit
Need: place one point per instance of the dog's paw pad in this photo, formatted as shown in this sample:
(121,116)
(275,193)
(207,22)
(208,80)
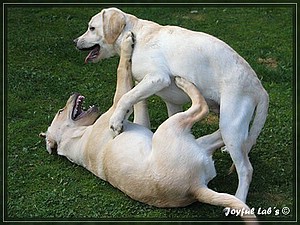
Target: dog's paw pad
(128,42)
(224,149)
(117,130)
(181,82)
(116,127)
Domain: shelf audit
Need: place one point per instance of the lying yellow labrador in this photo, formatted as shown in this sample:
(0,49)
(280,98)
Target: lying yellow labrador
(169,168)
(225,79)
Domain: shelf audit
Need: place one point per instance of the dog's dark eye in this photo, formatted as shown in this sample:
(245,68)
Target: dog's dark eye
(92,28)
(60,111)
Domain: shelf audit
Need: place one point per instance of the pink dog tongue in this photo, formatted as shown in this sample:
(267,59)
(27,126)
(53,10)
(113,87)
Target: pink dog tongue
(88,57)
(93,54)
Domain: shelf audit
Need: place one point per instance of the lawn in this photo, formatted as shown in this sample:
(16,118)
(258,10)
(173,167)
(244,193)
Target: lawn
(42,68)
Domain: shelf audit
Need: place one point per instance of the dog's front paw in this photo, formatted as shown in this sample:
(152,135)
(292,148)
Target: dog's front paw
(128,43)
(182,83)
(116,125)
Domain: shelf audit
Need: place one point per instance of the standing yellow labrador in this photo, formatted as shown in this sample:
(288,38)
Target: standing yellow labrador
(225,79)
(169,168)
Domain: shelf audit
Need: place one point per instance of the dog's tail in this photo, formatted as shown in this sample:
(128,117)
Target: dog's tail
(259,120)
(233,206)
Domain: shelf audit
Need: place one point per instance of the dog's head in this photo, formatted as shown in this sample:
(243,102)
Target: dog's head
(67,121)
(103,30)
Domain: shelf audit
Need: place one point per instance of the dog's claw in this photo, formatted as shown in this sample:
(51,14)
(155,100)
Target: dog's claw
(117,128)
(128,42)
(224,149)
(133,39)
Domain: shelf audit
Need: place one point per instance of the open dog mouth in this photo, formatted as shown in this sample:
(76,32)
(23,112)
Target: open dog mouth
(93,54)
(78,111)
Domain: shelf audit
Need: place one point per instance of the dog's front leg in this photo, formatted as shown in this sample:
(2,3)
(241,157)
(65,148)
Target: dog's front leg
(150,85)
(141,114)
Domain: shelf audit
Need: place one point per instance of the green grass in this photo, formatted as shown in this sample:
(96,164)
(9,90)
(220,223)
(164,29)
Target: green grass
(43,68)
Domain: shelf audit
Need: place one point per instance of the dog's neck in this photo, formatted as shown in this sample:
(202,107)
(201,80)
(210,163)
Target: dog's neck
(85,145)
(70,145)
(134,25)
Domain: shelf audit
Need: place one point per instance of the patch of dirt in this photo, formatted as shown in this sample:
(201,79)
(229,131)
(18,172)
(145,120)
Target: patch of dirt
(269,62)
(211,118)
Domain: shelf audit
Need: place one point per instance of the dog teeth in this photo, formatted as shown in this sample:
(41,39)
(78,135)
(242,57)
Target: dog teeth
(80,98)
(79,109)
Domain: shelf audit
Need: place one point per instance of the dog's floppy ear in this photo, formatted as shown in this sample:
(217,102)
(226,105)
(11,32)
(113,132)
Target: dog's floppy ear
(42,135)
(51,144)
(113,24)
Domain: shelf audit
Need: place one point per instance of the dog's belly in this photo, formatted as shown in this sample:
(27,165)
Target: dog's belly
(129,167)
(173,94)
(205,82)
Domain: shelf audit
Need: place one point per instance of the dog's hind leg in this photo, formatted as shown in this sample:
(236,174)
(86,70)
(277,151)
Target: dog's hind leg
(199,108)
(235,116)
(182,122)
(211,142)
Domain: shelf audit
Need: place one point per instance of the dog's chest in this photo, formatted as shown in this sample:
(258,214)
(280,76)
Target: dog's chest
(142,66)
(138,73)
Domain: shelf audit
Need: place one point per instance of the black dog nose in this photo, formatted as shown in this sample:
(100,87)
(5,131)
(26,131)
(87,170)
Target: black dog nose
(75,41)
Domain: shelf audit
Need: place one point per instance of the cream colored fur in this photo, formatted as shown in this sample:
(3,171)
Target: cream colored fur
(169,168)
(225,79)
